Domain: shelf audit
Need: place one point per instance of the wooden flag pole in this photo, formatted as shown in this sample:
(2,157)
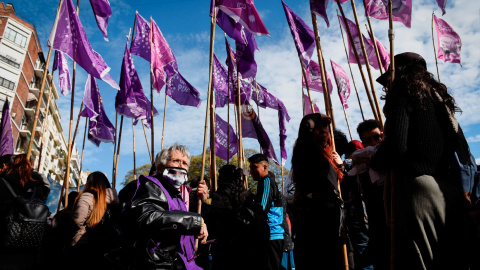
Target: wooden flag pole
(236,130)
(213,161)
(367,65)
(434,49)
(42,88)
(258,108)
(326,92)
(70,142)
(228,128)
(303,100)
(348,124)
(134,161)
(239,117)
(210,83)
(44,125)
(151,97)
(349,34)
(114,143)
(146,140)
(114,178)
(164,119)
(306,84)
(374,40)
(83,150)
(391,37)
(350,67)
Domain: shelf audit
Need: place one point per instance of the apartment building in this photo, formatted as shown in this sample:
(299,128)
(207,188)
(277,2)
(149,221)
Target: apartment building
(22,65)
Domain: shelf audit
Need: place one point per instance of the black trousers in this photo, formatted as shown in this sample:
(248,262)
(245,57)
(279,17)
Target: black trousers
(273,254)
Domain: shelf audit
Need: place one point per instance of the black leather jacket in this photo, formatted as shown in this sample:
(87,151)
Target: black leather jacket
(156,231)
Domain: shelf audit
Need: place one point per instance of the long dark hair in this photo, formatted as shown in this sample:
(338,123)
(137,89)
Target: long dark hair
(20,165)
(97,184)
(305,149)
(415,83)
(232,175)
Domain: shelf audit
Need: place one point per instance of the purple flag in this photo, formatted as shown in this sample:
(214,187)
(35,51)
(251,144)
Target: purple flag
(179,89)
(231,27)
(100,129)
(252,128)
(6,135)
(314,77)
(244,12)
(60,62)
(102,11)
(372,56)
(224,140)
(70,38)
(131,100)
(220,83)
(401,10)
(212,8)
(384,54)
(319,7)
(449,42)
(161,55)
(343,83)
(308,109)
(146,115)
(246,65)
(141,42)
(303,35)
(283,133)
(266,99)
(442,4)
(232,71)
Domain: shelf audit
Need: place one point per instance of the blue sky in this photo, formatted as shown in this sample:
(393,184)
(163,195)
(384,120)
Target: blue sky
(186,27)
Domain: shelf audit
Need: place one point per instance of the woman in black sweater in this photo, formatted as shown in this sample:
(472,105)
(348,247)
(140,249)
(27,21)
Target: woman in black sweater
(419,143)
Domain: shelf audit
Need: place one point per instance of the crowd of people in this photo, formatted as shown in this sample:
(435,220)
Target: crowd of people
(393,201)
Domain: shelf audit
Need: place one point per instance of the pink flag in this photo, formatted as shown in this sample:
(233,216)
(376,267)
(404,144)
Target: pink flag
(343,84)
(308,109)
(372,56)
(449,42)
(314,77)
(161,55)
(401,10)
(244,12)
(384,54)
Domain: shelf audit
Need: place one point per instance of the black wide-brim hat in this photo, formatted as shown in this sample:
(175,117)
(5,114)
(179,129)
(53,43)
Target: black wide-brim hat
(402,60)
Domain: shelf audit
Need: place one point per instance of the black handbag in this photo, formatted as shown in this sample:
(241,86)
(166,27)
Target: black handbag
(26,221)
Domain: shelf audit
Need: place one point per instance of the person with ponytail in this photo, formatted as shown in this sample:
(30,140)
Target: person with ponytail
(88,210)
(317,171)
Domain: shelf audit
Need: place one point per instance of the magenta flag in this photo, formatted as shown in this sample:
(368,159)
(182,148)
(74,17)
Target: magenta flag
(442,4)
(225,141)
(253,128)
(6,135)
(308,109)
(244,12)
(303,35)
(70,38)
(161,55)
(102,11)
(314,77)
(60,62)
(141,43)
(131,100)
(319,7)
(401,10)
(372,56)
(100,129)
(343,83)
(449,42)
(232,28)
(179,89)
(382,51)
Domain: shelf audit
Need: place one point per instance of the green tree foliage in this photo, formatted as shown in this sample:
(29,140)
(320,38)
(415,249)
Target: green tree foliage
(196,167)
(142,170)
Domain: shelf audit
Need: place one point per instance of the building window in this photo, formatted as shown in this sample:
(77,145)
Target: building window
(15,37)
(9,60)
(6,83)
